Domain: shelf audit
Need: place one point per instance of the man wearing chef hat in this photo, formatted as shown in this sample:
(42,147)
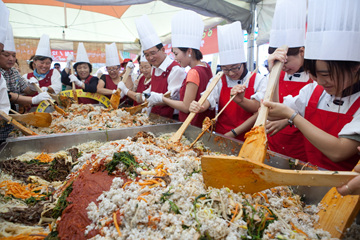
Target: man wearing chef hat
(288,28)
(167,75)
(233,64)
(327,111)
(17,86)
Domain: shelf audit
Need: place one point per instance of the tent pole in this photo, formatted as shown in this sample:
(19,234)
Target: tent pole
(251,38)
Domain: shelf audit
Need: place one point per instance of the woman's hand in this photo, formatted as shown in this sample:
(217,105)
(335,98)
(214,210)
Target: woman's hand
(195,107)
(239,91)
(353,186)
(278,111)
(274,127)
(279,54)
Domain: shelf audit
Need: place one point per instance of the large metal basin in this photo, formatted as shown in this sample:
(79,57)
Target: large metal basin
(215,142)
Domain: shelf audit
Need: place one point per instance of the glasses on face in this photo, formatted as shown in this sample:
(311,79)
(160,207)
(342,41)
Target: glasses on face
(145,68)
(152,53)
(233,69)
(112,69)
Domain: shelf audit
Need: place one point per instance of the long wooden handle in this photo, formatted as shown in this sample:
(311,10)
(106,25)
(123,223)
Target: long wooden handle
(16,124)
(273,80)
(177,136)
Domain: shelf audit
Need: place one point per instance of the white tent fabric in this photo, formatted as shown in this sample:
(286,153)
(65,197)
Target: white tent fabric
(115,19)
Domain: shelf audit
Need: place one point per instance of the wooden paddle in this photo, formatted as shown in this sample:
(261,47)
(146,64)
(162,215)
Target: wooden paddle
(255,145)
(338,212)
(213,121)
(74,87)
(177,136)
(37,119)
(136,109)
(242,175)
(59,110)
(16,124)
(115,98)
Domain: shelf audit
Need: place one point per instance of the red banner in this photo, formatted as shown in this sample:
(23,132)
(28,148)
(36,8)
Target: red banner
(61,55)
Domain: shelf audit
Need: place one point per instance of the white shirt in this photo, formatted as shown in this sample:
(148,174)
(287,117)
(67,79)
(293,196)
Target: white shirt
(4,98)
(259,88)
(174,80)
(304,77)
(300,102)
(55,81)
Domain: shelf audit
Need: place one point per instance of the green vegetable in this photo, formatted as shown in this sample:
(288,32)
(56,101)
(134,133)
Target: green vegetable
(52,236)
(122,157)
(194,204)
(173,207)
(62,203)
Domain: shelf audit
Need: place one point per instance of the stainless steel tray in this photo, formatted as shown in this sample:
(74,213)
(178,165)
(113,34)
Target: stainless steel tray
(215,142)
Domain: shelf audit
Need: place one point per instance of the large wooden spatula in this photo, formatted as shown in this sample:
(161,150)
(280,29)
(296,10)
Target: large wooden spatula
(37,119)
(16,124)
(177,136)
(59,110)
(242,175)
(115,98)
(338,212)
(255,145)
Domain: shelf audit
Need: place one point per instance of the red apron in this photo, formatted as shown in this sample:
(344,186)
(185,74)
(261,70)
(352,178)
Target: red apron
(141,87)
(233,115)
(289,141)
(46,82)
(86,100)
(205,75)
(332,123)
(109,84)
(159,84)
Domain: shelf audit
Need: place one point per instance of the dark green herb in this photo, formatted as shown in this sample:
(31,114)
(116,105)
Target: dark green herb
(206,236)
(62,203)
(194,171)
(52,236)
(37,162)
(122,157)
(194,204)
(173,207)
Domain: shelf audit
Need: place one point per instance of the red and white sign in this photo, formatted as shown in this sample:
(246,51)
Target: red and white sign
(61,55)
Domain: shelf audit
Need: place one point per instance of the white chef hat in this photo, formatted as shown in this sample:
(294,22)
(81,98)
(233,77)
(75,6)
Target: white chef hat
(187,30)
(112,56)
(4,20)
(142,56)
(147,33)
(231,44)
(289,24)
(9,44)
(43,48)
(333,31)
(81,55)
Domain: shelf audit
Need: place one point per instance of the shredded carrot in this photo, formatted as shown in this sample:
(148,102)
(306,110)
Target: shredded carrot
(126,184)
(116,224)
(45,158)
(30,236)
(298,230)
(264,207)
(265,196)
(236,212)
(141,198)
(19,190)
(50,227)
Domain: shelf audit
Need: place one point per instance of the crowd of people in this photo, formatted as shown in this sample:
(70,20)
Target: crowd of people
(314,115)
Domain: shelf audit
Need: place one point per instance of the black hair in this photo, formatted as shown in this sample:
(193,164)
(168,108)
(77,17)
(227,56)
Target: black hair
(31,62)
(159,46)
(56,64)
(198,54)
(41,58)
(139,58)
(77,64)
(336,68)
(291,51)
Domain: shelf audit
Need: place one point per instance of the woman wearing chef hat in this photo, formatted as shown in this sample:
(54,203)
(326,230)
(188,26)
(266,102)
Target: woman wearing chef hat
(187,30)
(288,29)
(83,78)
(48,79)
(142,83)
(327,111)
(108,83)
(233,64)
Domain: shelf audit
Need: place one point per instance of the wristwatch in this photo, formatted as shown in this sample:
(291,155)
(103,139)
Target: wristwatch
(291,119)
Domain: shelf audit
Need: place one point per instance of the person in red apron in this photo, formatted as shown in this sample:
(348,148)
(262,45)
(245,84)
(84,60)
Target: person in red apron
(108,83)
(167,74)
(327,111)
(83,78)
(282,138)
(141,84)
(187,30)
(233,64)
